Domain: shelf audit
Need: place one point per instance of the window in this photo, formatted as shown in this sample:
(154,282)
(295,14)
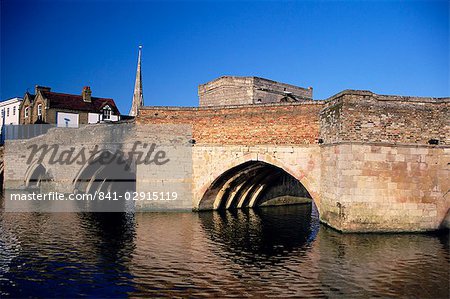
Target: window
(3,112)
(14,110)
(106,112)
(7,112)
(26,112)
(39,111)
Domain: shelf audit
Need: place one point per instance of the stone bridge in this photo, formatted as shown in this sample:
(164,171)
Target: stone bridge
(368,162)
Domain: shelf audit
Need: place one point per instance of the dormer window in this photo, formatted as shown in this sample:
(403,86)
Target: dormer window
(106,111)
(26,112)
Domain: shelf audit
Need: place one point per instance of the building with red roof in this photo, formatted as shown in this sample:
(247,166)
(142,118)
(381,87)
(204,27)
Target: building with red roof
(64,109)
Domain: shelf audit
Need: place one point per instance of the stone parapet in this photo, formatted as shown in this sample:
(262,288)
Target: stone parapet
(362,116)
(282,123)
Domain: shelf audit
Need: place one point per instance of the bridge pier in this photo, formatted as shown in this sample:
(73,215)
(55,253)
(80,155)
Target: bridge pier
(374,187)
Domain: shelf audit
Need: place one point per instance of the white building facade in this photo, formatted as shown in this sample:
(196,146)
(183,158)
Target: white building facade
(9,112)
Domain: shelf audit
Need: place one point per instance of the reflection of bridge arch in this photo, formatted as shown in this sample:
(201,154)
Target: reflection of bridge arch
(261,233)
(247,184)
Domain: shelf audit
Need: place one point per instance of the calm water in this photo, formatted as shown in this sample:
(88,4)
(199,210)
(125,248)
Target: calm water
(275,251)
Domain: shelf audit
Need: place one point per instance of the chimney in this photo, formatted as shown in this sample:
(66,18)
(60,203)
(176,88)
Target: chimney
(40,88)
(86,94)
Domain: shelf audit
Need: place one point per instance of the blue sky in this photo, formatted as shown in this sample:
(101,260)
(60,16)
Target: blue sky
(388,47)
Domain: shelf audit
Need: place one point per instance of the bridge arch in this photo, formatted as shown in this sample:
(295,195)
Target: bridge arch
(36,173)
(110,176)
(247,181)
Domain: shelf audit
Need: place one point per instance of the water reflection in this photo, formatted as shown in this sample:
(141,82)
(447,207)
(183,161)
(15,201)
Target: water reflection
(261,232)
(277,251)
(386,265)
(64,254)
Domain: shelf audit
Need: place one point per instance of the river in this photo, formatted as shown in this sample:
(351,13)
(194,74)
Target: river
(274,251)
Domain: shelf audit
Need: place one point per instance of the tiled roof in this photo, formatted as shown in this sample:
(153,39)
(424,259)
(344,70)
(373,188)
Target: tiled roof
(75,102)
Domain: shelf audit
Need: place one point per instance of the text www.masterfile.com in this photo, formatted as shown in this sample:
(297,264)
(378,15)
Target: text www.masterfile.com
(96,196)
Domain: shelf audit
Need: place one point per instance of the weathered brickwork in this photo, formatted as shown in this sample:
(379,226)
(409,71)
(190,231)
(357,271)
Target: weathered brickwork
(230,90)
(283,123)
(362,116)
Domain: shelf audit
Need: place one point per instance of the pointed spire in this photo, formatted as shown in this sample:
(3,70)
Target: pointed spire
(138,96)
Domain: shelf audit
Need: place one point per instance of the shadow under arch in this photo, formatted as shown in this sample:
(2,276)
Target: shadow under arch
(101,175)
(36,175)
(251,184)
(109,176)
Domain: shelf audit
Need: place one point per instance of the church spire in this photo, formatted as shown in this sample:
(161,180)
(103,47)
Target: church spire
(138,96)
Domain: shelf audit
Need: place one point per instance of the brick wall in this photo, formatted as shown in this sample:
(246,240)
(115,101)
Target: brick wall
(362,116)
(296,123)
(351,116)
